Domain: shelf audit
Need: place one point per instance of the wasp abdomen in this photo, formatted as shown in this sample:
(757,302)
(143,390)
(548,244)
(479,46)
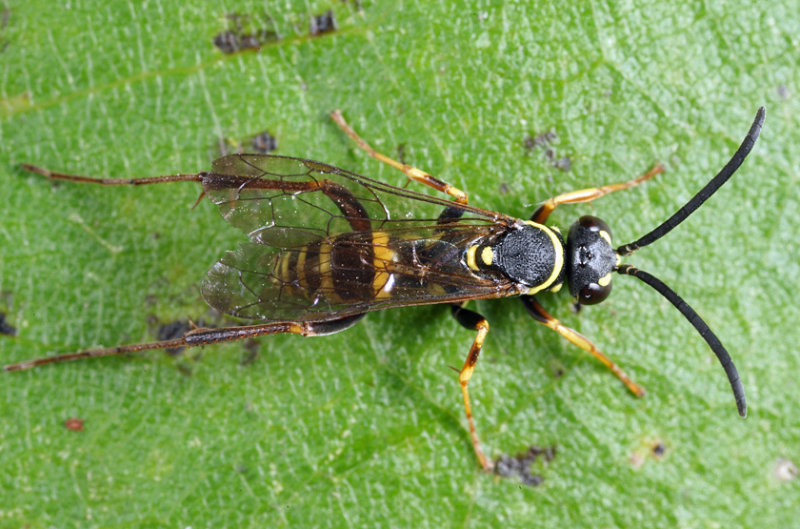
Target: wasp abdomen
(349,266)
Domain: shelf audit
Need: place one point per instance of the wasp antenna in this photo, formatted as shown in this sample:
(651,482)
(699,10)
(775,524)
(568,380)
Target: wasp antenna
(701,326)
(705,193)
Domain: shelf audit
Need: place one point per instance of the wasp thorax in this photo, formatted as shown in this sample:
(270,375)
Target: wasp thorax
(531,255)
(590,260)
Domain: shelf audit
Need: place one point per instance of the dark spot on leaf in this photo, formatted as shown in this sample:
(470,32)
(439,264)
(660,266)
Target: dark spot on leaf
(648,449)
(74,424)
(783,92)
(172,330)
(540,140)
(264,142)
(545,141)
(520,465)
(401,152)
(528,143)
(565,163)
(324,23)
(241,35)
(5,327)
(226,41)
(503,189)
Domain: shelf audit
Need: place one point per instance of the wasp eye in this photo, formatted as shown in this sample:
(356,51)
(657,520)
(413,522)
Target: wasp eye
(593,293)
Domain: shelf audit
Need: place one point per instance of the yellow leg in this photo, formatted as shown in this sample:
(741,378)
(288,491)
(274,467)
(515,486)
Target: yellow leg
(472,320)
(589,194)
(463,378)
(538,312)
(412,172)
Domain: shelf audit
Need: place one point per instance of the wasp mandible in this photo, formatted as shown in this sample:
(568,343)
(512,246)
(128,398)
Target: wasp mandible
(326,246)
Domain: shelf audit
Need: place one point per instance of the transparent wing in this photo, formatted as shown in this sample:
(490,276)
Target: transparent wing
(406,267)
(391,250)
(288,202)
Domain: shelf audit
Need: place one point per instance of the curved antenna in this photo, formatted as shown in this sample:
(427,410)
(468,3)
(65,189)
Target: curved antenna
(701,326)
(705,193)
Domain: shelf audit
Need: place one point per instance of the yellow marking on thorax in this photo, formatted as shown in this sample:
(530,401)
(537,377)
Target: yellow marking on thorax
(605,235)
(605,280)
(556,288)
(487,255)
(471,257)
(558,263)
(383,282)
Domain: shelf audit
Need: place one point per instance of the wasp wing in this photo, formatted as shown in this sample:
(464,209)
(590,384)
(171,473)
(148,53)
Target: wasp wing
(298,213)
(288,202)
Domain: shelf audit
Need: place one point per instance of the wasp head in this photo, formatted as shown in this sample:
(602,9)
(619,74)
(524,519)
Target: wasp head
(590,260)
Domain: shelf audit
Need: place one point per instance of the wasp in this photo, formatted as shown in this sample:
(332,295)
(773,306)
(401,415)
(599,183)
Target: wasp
(326,246)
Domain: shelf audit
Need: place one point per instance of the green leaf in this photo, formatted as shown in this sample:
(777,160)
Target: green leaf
(366,428)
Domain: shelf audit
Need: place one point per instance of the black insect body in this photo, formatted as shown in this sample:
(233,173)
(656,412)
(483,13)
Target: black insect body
(326,246)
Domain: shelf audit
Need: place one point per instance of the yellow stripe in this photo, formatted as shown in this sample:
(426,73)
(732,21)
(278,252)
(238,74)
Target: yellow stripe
(301,267)
(558,264)
(283,273)
(487,255)
(383,282)
(471,257)
(326,279)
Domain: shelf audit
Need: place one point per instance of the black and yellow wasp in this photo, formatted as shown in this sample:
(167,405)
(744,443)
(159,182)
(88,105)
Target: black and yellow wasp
(326,246)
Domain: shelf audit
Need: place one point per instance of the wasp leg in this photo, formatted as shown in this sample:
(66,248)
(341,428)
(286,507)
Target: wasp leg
(540,315)
(198,337)
(412,172)
(472,320)
(53,175)
(589,194)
